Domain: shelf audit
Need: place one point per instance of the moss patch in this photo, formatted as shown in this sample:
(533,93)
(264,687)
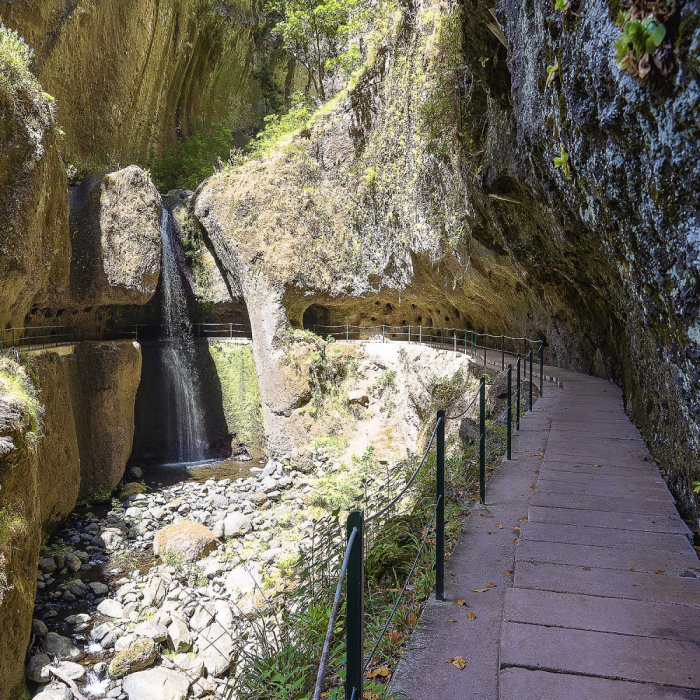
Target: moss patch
(240,391)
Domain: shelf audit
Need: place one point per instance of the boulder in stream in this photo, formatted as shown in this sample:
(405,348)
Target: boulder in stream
(187,539)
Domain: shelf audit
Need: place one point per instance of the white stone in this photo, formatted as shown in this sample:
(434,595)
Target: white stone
(111,608)
(160,683)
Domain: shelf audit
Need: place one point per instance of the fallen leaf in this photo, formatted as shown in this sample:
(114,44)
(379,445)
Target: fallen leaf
(509,573)
(660,571)
(586,568)
(381,672)
(459,663)
(515,527)
(597,466)
(500,527)
(490,585)
(412,619)
(485,515)
(514,541)
(461,602)
(471,616)
(631,569)
(394,636)
(449,661)
(532,486)
(492,532)
(522,520)
(453,620)
(480,590)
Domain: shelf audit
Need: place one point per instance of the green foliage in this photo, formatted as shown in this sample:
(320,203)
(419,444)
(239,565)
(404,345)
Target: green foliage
(562,161)
(552,73)
(14,51)
(316,33)
(562,5)
(272,94)
(386,381)
(193,160)
(639,39)
(22,411)
(696,487)
(277,126)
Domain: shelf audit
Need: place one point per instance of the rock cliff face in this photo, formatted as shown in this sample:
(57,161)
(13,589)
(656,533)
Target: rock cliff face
(428,193)
(66,427)
(132,76)
(34,242)
(115,237)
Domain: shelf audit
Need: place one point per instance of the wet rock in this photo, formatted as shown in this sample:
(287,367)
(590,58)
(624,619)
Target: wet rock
(47,565)
(161,683)
(71,670)
(186,539)
(38,668)
(98,588)
(39,629)
(73,563)
(61,647)
(140,654)
(110,608)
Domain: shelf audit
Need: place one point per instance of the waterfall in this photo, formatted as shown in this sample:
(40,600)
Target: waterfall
(186,438)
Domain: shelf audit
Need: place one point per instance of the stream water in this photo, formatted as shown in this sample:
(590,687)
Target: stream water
(186,435)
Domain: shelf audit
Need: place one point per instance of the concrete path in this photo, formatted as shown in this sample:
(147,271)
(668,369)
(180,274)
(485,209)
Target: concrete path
(597,586)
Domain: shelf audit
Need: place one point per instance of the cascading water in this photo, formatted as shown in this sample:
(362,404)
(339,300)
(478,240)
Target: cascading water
(186,437)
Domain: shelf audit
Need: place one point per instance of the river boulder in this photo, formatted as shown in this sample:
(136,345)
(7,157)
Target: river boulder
(187,539)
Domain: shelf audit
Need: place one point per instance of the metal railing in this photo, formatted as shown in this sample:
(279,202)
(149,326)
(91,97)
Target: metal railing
(459,340)
(353,561)
(222,330)
(41,337)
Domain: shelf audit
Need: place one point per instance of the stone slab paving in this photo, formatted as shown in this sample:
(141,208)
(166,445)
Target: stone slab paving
(604,599)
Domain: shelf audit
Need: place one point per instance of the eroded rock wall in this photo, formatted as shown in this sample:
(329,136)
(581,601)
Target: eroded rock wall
(132,76)
(428,194)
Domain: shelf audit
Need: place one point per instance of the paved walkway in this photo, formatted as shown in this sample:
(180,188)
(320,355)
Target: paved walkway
(597,586)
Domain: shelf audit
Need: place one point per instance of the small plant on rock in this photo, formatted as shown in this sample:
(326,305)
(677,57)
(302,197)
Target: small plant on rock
(644,43)
(562,161)
(552,73)
(562,5)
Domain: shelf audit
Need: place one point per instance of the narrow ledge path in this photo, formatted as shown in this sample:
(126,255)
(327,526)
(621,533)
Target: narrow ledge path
(597,585)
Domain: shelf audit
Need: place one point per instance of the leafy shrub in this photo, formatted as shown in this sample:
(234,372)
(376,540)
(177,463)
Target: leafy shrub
(562,161)
(644,42)
(193,160)
(14,50)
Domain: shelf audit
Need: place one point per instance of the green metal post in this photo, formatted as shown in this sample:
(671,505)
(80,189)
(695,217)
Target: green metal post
(510,411)
(482,441)
(503,352)
(440,511)
(517,404)
(531,379)
(355,608)
(541,365)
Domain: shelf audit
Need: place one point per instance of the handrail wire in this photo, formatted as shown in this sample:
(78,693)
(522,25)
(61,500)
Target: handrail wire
(401,494)
(459,415)
(405,585)
(334,613)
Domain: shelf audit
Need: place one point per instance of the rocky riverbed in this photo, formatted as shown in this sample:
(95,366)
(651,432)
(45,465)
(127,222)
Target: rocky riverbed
(148,599)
